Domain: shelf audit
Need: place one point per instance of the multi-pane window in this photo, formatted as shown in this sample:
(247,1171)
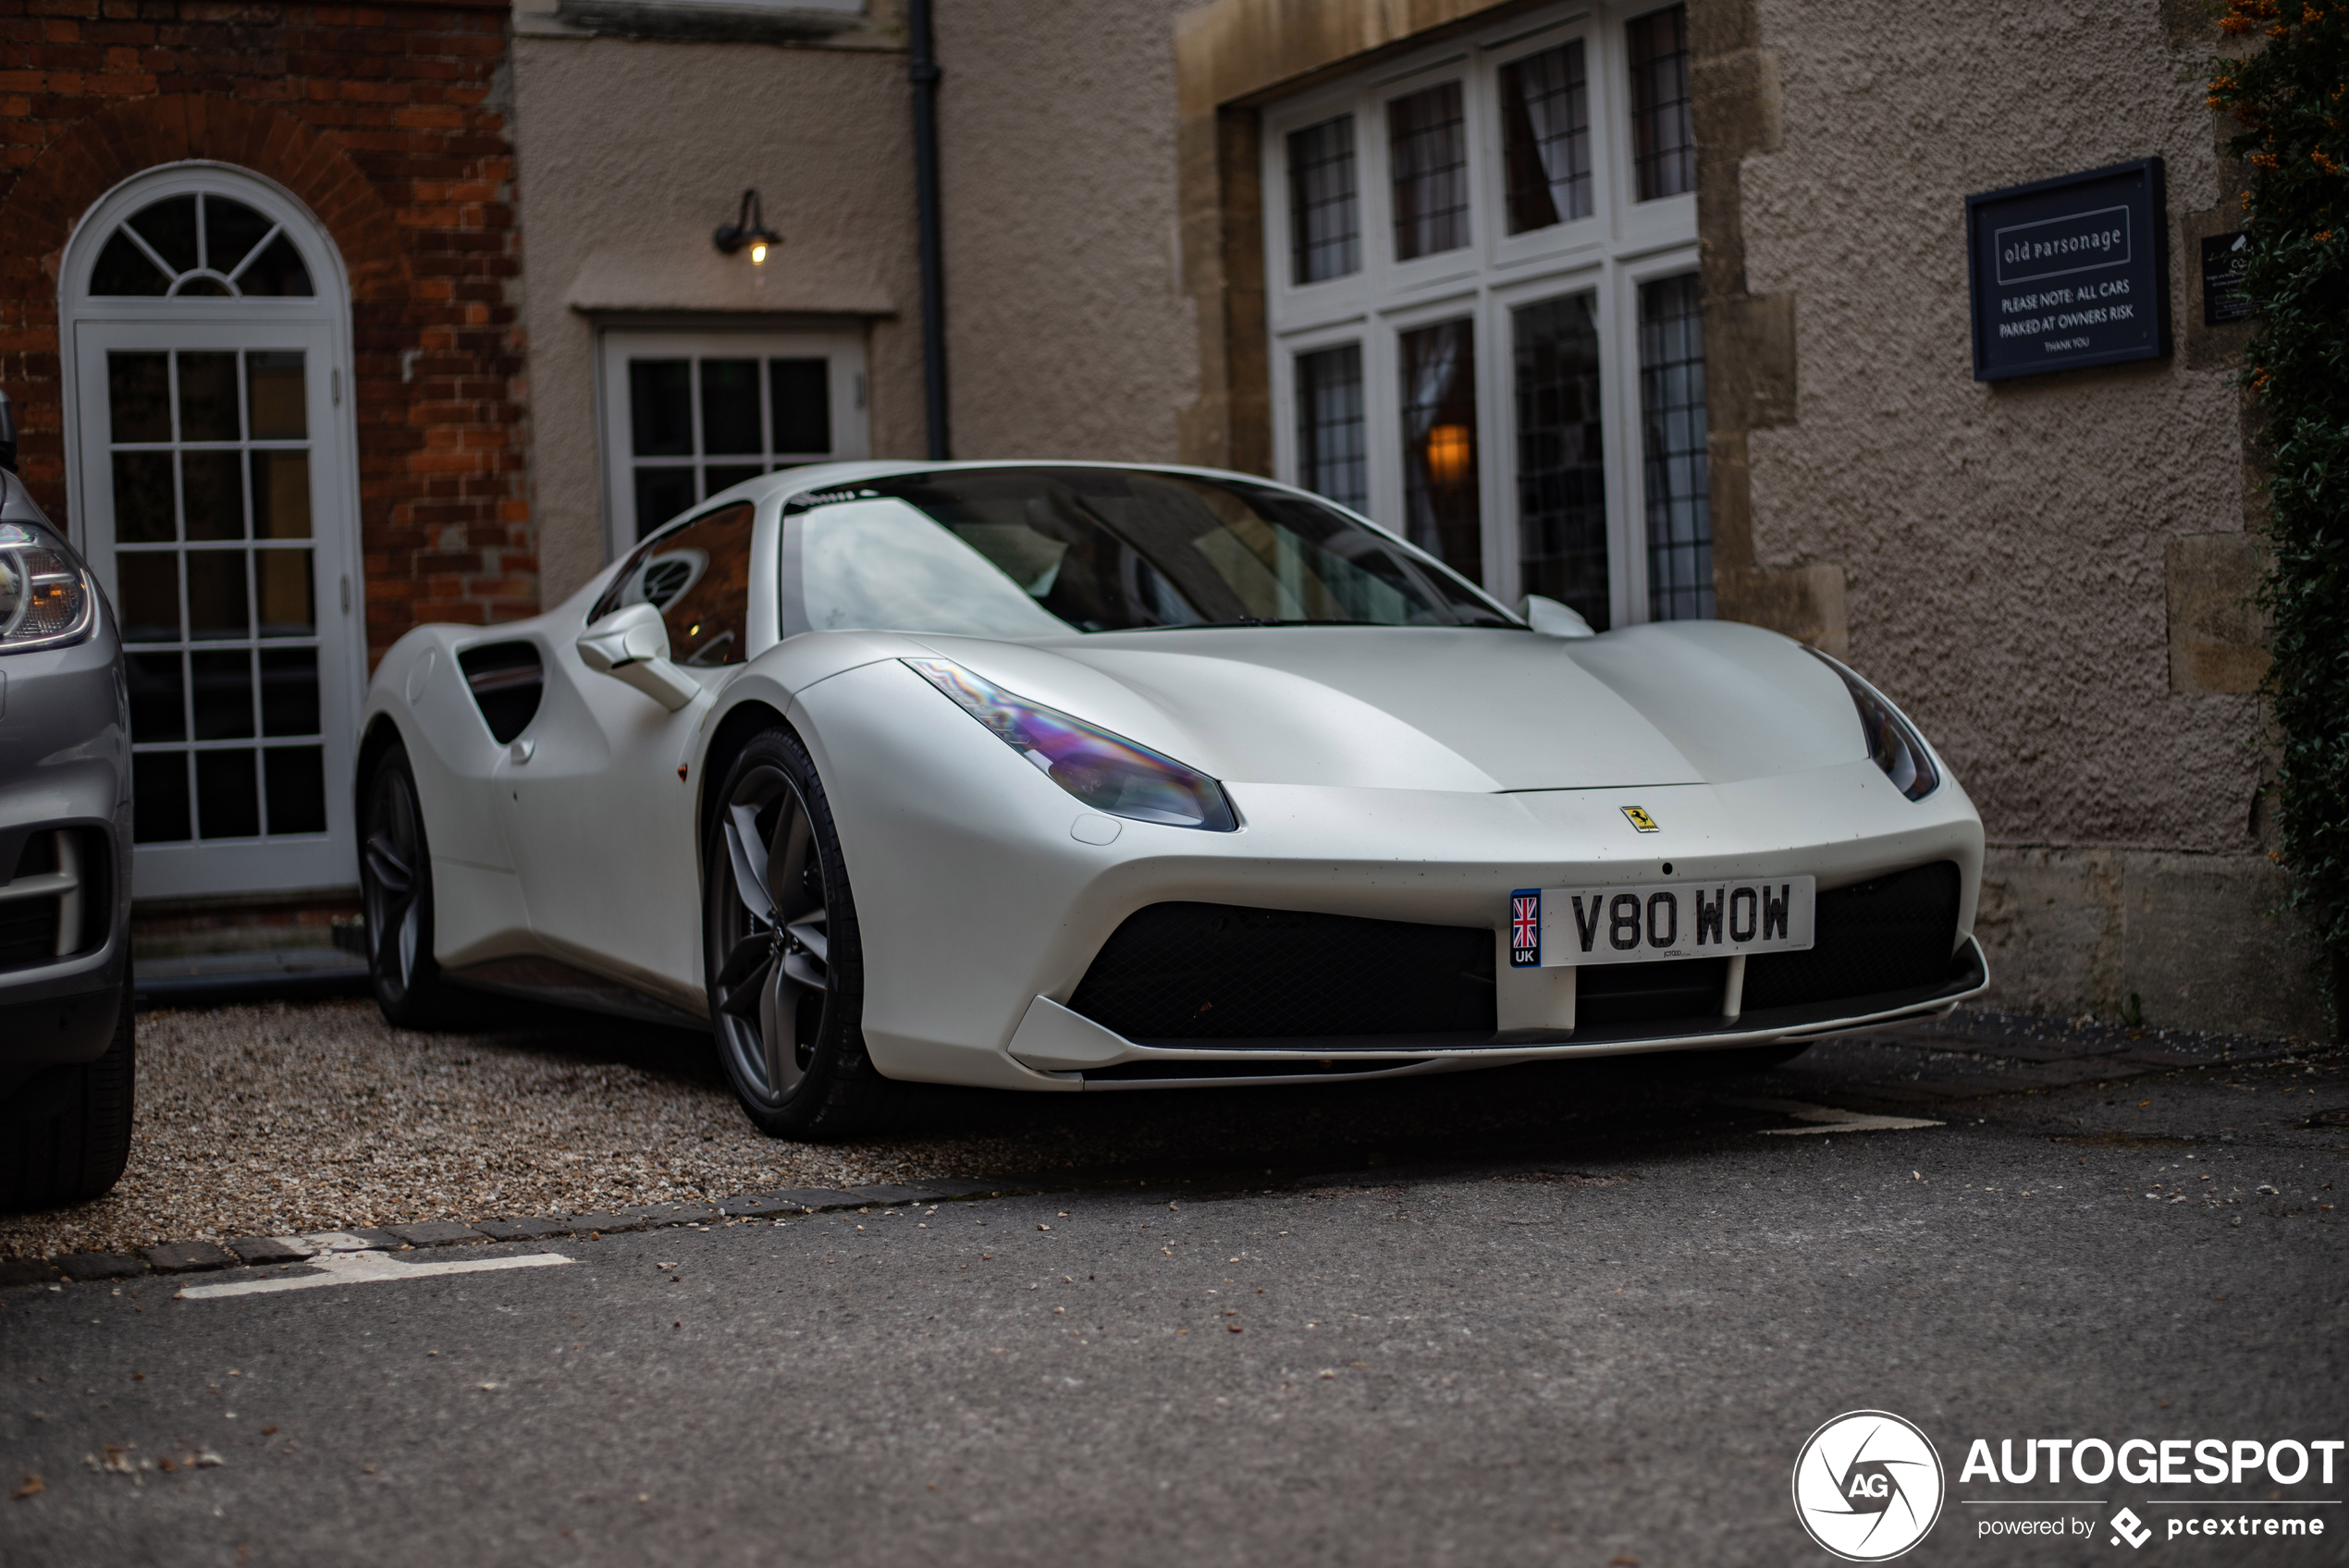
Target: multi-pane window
(1442,502)
(1561,460)
(1330,447)
(698,426)
(1325,228)
(1662,120)
(1545,138)
(1680,514)
(688,414)
(203,244)
(215,592)
(1517,390)
(1427,152)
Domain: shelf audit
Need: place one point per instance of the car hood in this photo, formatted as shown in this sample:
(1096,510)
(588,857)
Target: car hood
(1445,709)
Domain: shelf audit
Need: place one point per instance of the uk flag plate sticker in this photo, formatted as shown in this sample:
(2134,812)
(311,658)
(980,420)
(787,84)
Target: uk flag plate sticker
(1525,928)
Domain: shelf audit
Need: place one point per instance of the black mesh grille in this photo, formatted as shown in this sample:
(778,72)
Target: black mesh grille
(28,926)
(27,932)
(1613,996)
(1219,972)
(1203,972)
(1894,933)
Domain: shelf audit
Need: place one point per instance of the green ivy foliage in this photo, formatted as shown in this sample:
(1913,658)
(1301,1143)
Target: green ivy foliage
(2292,98)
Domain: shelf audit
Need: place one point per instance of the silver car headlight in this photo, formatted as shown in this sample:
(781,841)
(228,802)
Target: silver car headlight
(1107,772)
(1893,741)
(44,597)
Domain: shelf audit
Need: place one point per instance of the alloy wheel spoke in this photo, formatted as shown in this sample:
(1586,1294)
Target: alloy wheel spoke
(809,933)
(745,998)
(787,859)
(390,915)
(748,956)
(775,1013)
(750,885)
(409,923)
(389,868)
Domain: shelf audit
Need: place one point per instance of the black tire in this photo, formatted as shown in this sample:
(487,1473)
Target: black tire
(395,884)
(67,1136)
(781,955)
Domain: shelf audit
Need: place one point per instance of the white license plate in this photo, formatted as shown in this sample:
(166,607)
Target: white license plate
(1554,927)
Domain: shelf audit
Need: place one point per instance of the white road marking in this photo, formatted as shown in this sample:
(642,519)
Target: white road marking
(1828,1118)
(361,1268)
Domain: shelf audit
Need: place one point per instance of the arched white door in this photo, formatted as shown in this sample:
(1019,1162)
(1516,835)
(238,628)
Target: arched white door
(206,323)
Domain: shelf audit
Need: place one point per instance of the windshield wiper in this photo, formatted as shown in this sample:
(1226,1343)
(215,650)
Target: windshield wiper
(1243,620)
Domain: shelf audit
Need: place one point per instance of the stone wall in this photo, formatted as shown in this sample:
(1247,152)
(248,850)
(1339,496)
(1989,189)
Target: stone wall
(632,151)
(1068,334)
(2051,574)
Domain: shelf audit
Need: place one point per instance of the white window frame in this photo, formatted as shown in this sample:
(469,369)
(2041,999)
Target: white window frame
(1622,244)
(842,347)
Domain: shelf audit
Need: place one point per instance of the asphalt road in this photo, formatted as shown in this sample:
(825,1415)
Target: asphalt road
(1601,1346)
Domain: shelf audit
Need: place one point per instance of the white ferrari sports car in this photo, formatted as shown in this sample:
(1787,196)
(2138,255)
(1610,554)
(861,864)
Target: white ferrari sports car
(1062,777)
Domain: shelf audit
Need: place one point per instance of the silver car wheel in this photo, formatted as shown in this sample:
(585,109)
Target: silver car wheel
(770,948)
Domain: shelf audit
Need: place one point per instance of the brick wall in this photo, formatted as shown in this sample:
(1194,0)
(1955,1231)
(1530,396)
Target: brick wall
(388,121)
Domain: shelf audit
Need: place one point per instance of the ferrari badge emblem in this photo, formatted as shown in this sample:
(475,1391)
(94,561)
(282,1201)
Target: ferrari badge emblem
(1639,818)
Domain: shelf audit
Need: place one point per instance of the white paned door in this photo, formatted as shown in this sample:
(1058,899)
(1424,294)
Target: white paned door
(214,491)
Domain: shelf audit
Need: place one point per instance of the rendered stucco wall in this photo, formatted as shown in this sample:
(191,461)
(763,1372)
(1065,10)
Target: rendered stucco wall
(2012,556)
(1067,332)
(630,153)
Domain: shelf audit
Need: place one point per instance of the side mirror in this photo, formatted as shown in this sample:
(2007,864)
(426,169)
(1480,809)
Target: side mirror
(1553,620)
(631,645)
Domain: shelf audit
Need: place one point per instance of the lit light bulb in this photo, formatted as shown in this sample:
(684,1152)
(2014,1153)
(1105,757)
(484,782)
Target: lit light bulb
(758,252)
(1450,453)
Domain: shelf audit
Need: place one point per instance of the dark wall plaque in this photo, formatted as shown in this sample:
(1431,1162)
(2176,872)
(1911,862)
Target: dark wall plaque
(2070,272)
(2222,297)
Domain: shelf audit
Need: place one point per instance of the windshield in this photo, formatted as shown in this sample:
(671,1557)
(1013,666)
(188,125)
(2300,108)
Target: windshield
(1036,552)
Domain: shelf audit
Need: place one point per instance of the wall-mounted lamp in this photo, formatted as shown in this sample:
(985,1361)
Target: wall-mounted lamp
(749,227)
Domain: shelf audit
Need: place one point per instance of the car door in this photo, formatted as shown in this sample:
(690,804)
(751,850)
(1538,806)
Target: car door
(597,814)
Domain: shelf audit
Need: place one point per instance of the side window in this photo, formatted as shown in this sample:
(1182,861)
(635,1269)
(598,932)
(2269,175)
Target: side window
(698,575)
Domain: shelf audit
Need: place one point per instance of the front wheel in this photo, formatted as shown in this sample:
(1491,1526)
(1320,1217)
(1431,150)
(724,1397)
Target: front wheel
(65,1136)
(783,958)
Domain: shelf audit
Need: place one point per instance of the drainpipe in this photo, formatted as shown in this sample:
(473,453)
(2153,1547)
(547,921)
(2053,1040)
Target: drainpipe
(925,74)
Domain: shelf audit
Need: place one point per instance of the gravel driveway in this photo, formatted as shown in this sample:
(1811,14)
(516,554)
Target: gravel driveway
(298,1116)
(284,1117)
(288,1118)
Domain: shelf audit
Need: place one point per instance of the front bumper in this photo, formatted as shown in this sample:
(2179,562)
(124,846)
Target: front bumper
(1052,1039)
(977,901)
(64,913)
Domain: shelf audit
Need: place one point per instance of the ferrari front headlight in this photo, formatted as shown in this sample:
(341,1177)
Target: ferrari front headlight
(44,599)
(1893,743)
(1107,772)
